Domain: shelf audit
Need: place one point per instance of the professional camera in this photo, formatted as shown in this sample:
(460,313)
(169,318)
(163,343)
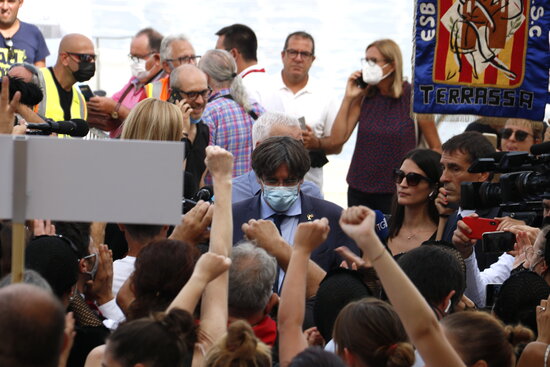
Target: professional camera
(524,181)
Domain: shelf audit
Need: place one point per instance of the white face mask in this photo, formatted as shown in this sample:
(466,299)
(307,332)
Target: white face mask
(139,70)
(373,74)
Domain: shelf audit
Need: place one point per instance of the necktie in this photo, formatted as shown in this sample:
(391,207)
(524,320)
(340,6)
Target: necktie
(277,220)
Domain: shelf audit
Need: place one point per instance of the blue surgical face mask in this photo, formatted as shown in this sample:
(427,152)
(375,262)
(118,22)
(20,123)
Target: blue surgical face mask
(280,198)
(194,121)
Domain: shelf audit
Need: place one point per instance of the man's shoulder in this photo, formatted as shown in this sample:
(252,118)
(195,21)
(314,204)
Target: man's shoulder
(25,27)
(325,205)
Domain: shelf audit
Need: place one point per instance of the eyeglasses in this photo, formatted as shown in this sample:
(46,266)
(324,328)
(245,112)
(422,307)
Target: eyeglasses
(84,57)
(135,58)
(186,59)
(9,44)
(413,179)
(191,96)
(276,182)
(294,54)
(92,259)
(371,61)
(519,134)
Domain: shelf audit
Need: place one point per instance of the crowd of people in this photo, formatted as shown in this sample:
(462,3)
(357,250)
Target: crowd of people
(268,272)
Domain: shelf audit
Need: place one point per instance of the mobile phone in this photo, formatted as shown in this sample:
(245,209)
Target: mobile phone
(175,97)
(480,226)
(302,121)
(361,83)
(86,91)
(498,242)
(492,292)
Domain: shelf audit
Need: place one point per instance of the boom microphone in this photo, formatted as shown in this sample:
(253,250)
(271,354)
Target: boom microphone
(542,148)
(74,127)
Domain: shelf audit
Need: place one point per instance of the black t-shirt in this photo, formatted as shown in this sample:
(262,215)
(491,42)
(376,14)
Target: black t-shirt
(65,98)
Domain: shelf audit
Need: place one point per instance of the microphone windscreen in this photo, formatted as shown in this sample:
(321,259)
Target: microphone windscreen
(75,127)
(542,148)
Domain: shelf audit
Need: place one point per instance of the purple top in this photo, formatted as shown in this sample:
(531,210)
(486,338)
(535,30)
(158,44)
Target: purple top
(385,135)
(231,128)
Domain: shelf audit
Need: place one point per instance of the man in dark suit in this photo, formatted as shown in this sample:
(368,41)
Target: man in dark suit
(280,163)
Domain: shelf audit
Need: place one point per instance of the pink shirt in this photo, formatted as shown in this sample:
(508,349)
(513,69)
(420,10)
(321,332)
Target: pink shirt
(133,97)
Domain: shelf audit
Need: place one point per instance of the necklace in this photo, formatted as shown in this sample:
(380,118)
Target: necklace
(413,234)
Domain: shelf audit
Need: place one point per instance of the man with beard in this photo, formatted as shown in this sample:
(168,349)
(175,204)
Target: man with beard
(19,41)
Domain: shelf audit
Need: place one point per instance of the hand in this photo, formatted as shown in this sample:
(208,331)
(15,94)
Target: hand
(358,222)
(210,266)
(101,287)
(506,222)
(309,235)
(69,338)
(351,258)
(219,162)
(43,228)
(352,90)
(194,225)
(532,232)
(465,304)
(521,248)
(441,203)
(265,234)
(314,337)
(101,104)
(186,112)
(311,141)
(20,128)
(543,321)
(7,107)
(460,240)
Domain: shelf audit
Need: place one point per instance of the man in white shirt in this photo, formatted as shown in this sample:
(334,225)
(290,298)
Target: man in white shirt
(304,98)
(241,42)
(137,236)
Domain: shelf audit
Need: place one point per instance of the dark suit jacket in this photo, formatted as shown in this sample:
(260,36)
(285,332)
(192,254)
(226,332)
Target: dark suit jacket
(312,208)
(483,260)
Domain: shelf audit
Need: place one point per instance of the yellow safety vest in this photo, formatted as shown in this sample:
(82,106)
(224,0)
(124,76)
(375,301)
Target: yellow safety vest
(50,106)
(158,89)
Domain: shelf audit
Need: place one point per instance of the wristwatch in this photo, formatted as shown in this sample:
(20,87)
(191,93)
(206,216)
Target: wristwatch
(114,114)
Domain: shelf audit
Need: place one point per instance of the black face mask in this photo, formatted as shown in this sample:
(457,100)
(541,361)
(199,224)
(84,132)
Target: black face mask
(86,71)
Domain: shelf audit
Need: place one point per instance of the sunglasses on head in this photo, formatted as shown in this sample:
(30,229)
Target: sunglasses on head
(413,179)
(519,134)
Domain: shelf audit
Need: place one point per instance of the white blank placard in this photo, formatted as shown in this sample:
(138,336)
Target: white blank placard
(104,180)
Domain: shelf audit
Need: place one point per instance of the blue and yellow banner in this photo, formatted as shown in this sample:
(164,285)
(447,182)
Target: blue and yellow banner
(482,57)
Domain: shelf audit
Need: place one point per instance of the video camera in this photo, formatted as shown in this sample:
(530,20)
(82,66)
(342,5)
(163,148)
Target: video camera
(524,182)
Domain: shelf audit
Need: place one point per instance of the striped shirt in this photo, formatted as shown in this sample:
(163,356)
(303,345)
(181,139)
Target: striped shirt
(231,128)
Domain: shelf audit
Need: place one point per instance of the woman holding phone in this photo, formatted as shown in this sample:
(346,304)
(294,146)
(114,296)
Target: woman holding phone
(379,100)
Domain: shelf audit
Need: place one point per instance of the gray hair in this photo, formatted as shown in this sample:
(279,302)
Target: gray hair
(165,45)
(251,277)
(263,125)
(222,70)
(29,277)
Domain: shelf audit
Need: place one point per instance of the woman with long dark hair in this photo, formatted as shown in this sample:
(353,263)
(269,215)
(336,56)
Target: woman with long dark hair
(414,216)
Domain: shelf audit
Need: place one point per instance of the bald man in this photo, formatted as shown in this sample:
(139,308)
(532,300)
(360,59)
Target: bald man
(189,90)
(75,63)
(32,322)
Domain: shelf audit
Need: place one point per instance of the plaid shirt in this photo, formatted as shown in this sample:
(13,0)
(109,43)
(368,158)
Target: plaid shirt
(231,128)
